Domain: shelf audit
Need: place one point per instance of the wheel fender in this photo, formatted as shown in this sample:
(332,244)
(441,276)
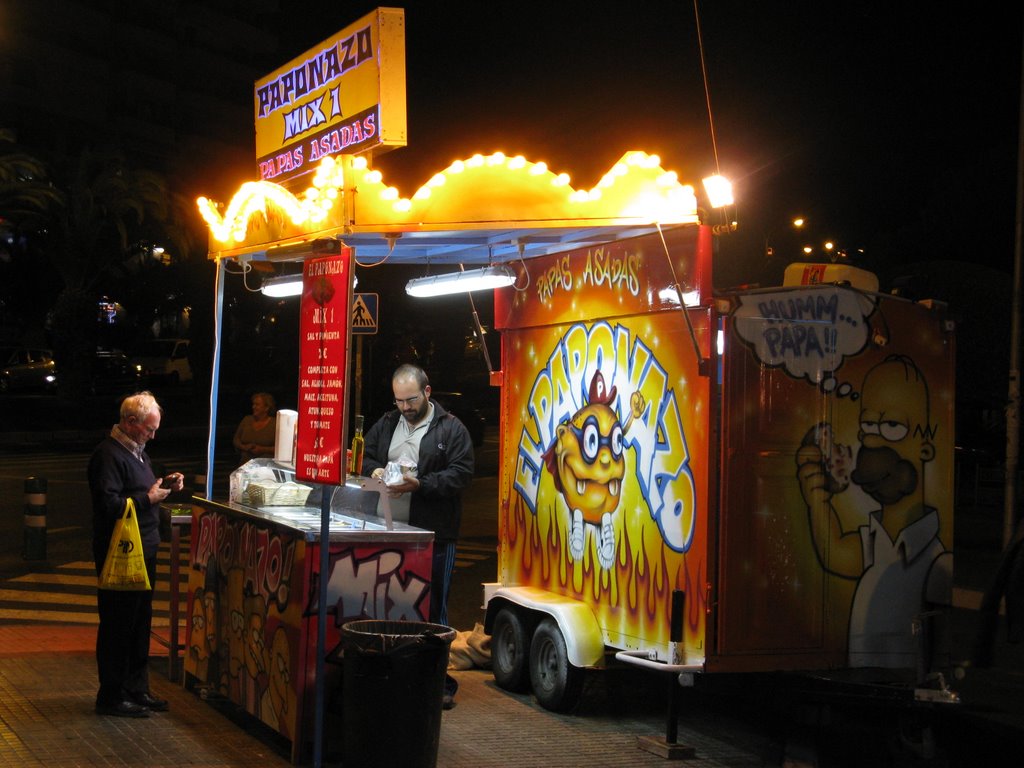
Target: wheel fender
(584,642)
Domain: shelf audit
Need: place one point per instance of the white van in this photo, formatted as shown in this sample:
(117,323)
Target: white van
(164,361)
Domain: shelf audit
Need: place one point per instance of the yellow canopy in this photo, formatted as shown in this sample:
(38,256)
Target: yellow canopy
(479,210)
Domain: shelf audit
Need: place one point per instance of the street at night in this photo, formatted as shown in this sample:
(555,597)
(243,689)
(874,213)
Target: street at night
(681,341)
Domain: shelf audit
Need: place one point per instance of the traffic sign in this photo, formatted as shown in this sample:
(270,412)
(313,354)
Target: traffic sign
(364,313)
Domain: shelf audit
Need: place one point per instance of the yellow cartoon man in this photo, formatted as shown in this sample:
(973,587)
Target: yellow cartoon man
(278,704)
(901,565)
(199,641)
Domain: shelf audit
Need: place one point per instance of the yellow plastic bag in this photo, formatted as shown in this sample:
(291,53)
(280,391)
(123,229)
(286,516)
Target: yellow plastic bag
(125,566)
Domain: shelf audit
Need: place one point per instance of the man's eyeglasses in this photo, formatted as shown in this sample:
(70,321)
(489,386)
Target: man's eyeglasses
(145,427)
(407,401)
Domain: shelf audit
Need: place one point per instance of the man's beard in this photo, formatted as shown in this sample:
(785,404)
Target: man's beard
(884,475)
(415,415)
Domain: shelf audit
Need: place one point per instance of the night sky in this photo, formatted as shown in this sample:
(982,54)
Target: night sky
(889,126)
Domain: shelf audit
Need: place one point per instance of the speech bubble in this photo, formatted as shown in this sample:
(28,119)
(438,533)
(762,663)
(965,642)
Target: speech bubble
(806,331)
(832,386)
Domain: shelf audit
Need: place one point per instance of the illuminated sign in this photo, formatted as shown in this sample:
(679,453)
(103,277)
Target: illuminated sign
(323,360)
(346,95)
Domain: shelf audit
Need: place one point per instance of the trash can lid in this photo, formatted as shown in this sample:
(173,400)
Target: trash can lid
(383,635)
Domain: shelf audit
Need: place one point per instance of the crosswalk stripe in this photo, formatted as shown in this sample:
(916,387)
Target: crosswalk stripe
(70,586)
(67,617)
(53,617)
(62,598)
(56,579)
(67,599)
(29,597)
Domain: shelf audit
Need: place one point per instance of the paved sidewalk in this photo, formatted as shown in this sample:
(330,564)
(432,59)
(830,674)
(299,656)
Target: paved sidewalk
(47,690)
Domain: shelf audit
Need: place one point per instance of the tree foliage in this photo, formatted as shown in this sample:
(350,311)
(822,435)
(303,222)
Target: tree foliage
(86,216)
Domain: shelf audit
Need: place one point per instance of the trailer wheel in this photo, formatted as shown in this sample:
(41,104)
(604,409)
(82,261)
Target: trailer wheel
(510,651)
(556,682)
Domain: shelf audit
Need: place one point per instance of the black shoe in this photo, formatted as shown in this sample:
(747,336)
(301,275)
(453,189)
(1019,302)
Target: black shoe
(149,701)
(447,701)
(122,709)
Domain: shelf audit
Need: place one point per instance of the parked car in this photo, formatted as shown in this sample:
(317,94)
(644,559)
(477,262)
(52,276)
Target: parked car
(457,403)
(26,368)
(113,373)
(164,361)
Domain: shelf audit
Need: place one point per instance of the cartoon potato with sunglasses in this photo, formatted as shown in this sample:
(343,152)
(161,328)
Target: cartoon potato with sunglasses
(587,464)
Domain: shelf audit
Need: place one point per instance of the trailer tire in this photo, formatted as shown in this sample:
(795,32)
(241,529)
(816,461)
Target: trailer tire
(556,683)
(510,651)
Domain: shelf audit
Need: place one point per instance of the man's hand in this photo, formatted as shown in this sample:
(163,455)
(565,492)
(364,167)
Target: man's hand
(813,476)
(408,485)
(158,493)
(174,481)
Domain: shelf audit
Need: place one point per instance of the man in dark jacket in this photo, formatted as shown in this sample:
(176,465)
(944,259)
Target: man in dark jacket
(119,469)
(421,432)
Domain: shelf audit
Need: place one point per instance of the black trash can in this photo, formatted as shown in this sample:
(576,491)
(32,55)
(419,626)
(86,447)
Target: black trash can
(392,684)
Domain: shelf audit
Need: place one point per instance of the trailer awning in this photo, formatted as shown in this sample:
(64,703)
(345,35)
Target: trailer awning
(485,209)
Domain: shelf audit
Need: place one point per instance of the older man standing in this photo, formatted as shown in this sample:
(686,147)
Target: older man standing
(439,445)
(119,469)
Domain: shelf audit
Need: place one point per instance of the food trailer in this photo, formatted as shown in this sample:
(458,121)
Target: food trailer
(690,481)
(756,481)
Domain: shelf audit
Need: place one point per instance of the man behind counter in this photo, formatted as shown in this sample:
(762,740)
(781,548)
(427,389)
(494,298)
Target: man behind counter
(439,445)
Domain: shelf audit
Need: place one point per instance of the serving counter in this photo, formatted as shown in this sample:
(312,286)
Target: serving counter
(254,580)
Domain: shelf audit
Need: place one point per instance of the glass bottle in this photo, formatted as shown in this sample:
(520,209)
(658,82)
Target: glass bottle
(355,465)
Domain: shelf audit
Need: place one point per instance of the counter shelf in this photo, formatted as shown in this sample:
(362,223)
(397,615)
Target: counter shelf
(253,593)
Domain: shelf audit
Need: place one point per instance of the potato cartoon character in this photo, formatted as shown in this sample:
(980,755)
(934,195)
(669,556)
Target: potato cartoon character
(587,464)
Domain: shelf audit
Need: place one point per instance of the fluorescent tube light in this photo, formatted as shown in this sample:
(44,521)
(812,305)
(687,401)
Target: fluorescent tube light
(461,282)
(282,286)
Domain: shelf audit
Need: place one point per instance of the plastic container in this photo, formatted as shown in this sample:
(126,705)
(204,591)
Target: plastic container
(392,685)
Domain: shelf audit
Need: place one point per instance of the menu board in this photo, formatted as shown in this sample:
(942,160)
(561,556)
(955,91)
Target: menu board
(323,363)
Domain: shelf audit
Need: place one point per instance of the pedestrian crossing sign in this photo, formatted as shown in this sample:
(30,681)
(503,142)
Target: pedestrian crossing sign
(364,314)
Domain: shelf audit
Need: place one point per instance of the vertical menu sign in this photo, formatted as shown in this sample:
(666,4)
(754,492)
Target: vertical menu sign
(323,348)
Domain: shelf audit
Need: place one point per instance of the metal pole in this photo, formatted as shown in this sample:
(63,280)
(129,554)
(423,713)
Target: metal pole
(218,322)
(357,379)
(35,519)
(1013,397)
(676,636)
(319,690)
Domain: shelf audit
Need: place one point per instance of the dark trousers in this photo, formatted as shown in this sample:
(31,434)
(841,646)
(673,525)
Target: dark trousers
(122,642)
(440,580)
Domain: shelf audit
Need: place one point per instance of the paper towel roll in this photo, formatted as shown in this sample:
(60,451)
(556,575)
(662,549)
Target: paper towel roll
(284,442)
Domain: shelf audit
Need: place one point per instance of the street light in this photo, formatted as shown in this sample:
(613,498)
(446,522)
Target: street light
(796,223)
